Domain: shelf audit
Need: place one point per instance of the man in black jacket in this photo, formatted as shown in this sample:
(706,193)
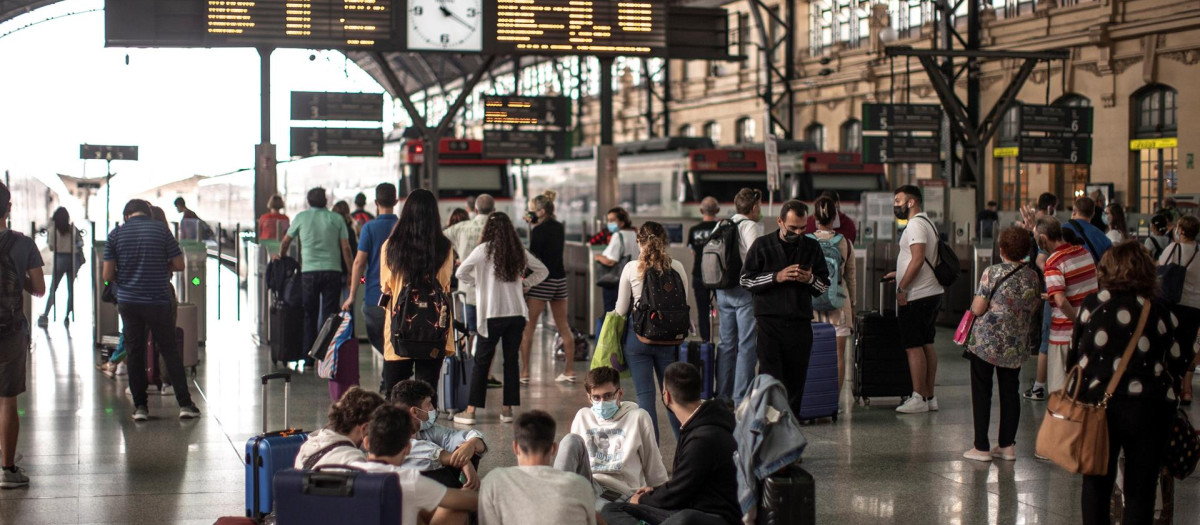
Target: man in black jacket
(785,270)
(704,489)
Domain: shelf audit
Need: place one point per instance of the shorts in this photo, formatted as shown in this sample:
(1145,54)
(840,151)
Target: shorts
(549,290)
(917,321)
(14,353)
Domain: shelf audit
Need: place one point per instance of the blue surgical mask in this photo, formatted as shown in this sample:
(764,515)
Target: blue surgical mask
(1105,219)
(605,409)
(612,227)
(428,423)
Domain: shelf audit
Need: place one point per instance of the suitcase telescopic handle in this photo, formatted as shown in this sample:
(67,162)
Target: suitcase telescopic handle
(287,391)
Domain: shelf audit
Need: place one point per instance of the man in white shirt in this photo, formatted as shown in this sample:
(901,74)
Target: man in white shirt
(919,296)
(737,350)
(533,491)
(611,442)
(387,444)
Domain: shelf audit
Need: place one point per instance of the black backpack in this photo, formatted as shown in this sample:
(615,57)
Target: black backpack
(284,280)
(12,299)
(662,315)
(721,257)
(947,268)
(421,319)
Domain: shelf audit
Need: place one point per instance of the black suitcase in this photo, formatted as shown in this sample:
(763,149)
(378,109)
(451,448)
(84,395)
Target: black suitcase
(789,497)
(880,364)
(287,333)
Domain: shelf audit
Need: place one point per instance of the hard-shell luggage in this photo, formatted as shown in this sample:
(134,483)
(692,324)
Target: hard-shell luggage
(188,343)
(703,356)
(287,333)
(820,398)
(269,453)
(880,363)
(345,495)
(455,388)
(788,497)
(347,375)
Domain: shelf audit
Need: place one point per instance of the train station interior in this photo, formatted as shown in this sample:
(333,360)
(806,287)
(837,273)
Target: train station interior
(224,115)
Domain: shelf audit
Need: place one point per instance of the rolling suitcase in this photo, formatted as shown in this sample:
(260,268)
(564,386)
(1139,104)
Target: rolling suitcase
(455,388)
(703,356)
(270,452)
(788,498)
(287,333)
(820,387)
(880,364)
(337,496)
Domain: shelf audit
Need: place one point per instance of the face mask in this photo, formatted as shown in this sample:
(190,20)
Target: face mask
(791,237)
(605,409)
(428,424)
(612,227)
(901,212)
(1105,219)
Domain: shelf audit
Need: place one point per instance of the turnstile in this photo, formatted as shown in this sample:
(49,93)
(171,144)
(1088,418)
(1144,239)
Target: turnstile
(187,318)
(106,319)
(191,284)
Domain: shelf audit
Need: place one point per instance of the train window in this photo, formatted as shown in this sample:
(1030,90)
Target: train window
(724,186)
(456,180)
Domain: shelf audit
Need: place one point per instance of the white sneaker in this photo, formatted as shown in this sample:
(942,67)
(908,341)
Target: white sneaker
(914,405)
(167,390)
(933,406)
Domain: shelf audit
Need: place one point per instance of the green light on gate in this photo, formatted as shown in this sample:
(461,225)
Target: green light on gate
(195,281)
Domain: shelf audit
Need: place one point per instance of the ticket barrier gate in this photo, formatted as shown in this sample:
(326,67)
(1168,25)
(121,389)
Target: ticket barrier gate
(191,283)
(106,319)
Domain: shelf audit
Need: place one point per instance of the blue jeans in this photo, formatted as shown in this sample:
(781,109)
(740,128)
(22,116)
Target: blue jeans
(737,351)
(647,362)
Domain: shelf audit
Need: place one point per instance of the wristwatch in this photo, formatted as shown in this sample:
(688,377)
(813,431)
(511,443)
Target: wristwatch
(901,290)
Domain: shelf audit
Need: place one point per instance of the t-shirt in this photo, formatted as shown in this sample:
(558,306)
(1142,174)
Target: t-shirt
(919,231)
(141,249)
(25,255)
(697,236)
(1069,271)
(465,237)
(622,452)
(320,233)
(269,225)
(536,494)
(622,243)
(371,242)
(417,493)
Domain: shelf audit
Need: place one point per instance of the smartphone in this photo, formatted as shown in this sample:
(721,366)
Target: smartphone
(888,280)
(531,216)
(384,300)
(806,267)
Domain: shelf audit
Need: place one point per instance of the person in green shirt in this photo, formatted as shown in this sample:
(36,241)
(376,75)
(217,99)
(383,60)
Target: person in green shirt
(324,247)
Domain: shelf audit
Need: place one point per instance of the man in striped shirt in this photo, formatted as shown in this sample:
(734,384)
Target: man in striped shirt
(1070,276)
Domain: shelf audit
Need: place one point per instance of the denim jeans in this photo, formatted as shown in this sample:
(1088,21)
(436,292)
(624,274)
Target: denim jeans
(64,266)
(138,320)
(322,292)
(622,513)
(737,351)
(648,363)
(703,309)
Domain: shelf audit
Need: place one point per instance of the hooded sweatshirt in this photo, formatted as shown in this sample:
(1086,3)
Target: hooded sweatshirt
(622,451)
(705,477)
(342,455)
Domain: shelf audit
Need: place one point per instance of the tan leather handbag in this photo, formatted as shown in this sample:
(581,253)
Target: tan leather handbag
(1074,435)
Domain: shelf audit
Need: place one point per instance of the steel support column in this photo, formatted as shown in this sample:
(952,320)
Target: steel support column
(265,180)
(785,102)
(606,101)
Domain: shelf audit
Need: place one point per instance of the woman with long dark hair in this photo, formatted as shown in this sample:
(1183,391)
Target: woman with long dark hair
(416,249)
(547,238)
(1118,228)
(497,269)
(66,243)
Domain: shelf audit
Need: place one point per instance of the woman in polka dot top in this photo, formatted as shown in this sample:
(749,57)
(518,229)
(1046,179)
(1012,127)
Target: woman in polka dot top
(1142,407)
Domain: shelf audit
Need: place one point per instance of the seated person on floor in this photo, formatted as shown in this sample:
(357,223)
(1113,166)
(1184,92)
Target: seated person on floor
(612,442)
(388,442)
(703,490)
(338,443)
(533,491)
(439,452)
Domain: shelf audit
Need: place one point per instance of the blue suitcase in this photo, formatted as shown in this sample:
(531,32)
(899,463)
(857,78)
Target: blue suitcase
(337,496)
(820,398)
(455,389)
(269,453)
(704,357)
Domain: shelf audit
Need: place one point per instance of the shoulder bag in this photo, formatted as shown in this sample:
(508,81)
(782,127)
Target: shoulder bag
(963,333)
(1172,275)
(1074,435)
(610,276)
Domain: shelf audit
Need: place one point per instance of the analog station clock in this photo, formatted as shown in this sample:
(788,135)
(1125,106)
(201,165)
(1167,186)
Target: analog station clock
(445,25)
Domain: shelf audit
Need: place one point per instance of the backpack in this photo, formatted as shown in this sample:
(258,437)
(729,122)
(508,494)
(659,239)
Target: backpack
(662,315)
(721,257)
(947,268)
(834,296)
(421,319)
(1081,235)
(12,293)
(284,280)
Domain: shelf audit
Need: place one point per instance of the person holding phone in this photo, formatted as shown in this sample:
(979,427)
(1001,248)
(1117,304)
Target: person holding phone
(365,271)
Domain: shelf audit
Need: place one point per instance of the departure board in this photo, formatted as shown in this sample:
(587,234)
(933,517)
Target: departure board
(335,24)
(580,27)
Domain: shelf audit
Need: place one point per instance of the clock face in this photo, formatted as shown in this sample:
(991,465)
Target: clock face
(445,25)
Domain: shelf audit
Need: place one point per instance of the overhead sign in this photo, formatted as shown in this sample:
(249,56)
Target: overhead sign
(579,27)
(309,105)
(902,149)
(902,117)
(1005,153)
(1056,119)
(1055,150)
(99,152)
(343,142)
(538,145)
(533,111)
(1141,144)
(771,147)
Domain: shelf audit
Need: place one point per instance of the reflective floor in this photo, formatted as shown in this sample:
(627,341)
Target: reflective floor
(90,463)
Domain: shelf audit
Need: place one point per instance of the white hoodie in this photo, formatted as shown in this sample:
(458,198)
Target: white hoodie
(338,456)
(622,451)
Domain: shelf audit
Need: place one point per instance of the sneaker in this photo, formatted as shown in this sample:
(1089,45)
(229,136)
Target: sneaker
(122,369)
(933,406)
(1009,455)
(189,412)
(913,405)
(12,479)
(464,418)
(1040,457)
(977,455)
(141,414)
(166,390)
(1035,393)
(563,378)
(494,383)
(43,322)
(507,418)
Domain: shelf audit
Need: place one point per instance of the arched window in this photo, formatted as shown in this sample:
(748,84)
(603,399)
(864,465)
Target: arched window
(1155,131)
(687,130)
(744,130)
(712,130)
(852,136)
(815,133)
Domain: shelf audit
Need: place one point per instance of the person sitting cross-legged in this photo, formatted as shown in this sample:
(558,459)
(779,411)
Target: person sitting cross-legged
(439,452)
(339,442)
